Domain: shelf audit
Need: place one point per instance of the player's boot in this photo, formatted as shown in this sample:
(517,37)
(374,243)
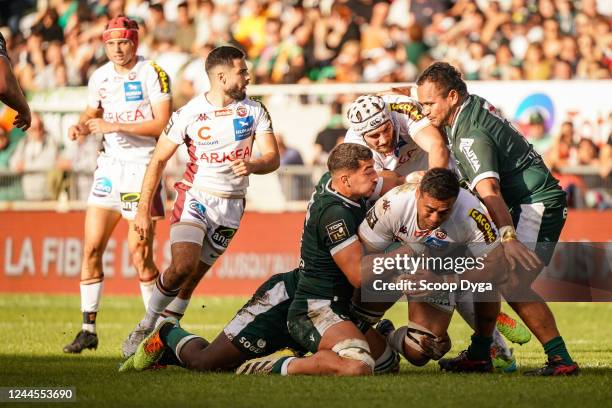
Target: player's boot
(385,327)
(555,366)
(463,364)
(127,364)
(152,347)
(134,339)
(83,340)
(513,330)
(264,365)
(503,362)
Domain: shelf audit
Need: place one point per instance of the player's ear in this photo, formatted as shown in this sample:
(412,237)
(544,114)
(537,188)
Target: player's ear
(453,95)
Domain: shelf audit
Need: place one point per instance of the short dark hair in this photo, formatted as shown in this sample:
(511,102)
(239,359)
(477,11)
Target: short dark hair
(445,76)
(346,156)
(223,55)
(440,183)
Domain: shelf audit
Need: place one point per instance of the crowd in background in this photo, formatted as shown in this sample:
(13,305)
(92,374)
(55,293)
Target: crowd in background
(57,43)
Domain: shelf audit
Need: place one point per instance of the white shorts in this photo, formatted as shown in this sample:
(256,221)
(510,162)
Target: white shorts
(117,185)
(205,219)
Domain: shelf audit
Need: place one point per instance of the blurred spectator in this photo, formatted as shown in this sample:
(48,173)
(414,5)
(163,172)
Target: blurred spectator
(8,145)
(75,167)
(536,134)
(288,155)
(587,153)
(332,135)
(563,148)
(34,157)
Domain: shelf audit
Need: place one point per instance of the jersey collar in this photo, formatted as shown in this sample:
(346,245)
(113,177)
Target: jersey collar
(463,105)
(343,198)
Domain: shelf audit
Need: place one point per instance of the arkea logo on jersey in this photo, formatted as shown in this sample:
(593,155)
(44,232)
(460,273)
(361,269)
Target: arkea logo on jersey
(129,201)
(484,225)
(337,231)
(243,127)
(223,157)
(133,91)
(124,117)
(102,187)
(223,236)
(465,145)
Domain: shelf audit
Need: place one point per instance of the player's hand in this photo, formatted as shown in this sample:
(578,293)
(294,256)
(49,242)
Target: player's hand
(23,120)
(98,125)
(142,224)
(415,177)
(76,131)
(241,167)
(518,254)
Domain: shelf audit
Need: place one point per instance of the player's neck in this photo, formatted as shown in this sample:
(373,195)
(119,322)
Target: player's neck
(124,69)
(455,112)
(218,98)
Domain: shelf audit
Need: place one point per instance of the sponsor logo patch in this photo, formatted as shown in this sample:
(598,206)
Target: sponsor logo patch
(133,91)
(102,187)
(197,209)
(440,233)
(371,217)
(465,145)
(410,109)
(337,231)
(223,236)
(129,201)
(484,225)
(436,243)
(241,111)
(223,112)
(164,79)
(386,204)
(243,127)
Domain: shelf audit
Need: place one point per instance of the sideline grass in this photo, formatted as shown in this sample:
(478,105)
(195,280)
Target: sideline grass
(34,328)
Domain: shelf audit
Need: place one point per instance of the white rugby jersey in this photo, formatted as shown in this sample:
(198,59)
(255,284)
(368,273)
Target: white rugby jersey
(215,137)
(394,218)
(128,98)
(407,120)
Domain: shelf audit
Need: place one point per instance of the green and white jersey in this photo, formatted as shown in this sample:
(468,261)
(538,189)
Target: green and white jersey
(485,145)
(331,225)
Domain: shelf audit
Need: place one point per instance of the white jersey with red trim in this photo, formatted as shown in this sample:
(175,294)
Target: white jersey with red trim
(215,137)
(394,218)
(407,120)
(128,98)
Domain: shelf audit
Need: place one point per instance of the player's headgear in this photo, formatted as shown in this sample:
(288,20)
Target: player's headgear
(367,113)
(121,27)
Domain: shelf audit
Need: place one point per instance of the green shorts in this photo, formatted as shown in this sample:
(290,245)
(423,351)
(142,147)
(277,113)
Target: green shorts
(539,225)
(309,319)
(260,326)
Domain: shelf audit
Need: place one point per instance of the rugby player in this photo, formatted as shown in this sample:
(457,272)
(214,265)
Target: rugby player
(260,327)
(522,197)
(129,101)
(10,92)
(218,128)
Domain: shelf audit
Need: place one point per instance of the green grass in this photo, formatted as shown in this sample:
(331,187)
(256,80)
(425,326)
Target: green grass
(34,328)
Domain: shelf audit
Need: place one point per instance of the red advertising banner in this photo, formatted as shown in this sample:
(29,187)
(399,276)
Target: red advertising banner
(41,251)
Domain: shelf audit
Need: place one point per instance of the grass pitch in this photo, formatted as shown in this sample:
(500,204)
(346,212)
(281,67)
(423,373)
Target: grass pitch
(34,329)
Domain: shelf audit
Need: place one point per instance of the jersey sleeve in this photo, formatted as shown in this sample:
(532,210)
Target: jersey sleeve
(480,234)
(158,84)
(264,120)
(93,92)
(408,112)
(478,155)
(175,131)
(378,230)
(337,228)
(3,50)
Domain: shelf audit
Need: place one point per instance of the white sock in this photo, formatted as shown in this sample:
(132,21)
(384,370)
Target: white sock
(384,362)
(395,339)
(285,365)
(90,301)
(156,306)
(176,308)
(146,291)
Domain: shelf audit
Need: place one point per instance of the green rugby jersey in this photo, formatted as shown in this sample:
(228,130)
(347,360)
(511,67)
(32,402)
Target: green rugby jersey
(485,144)
(331,225)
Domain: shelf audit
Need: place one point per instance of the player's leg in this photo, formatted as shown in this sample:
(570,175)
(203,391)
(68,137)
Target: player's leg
(141,252)
(99,225)
(539,227)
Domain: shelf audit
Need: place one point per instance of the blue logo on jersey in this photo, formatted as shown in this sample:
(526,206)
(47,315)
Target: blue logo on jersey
(133,91)
(243,127)
(436,243)
(197,209)
(102,187)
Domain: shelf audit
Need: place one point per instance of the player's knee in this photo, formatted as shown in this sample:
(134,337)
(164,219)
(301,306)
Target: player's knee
(92,253)
(415,357)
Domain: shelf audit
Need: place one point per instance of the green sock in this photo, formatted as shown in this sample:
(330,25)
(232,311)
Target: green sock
(480,349)
(172,335)
(278,366)
(556,347)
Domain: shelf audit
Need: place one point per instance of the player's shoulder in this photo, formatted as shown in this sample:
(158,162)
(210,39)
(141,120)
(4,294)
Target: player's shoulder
(465,202)
(397,199)
(103,73)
